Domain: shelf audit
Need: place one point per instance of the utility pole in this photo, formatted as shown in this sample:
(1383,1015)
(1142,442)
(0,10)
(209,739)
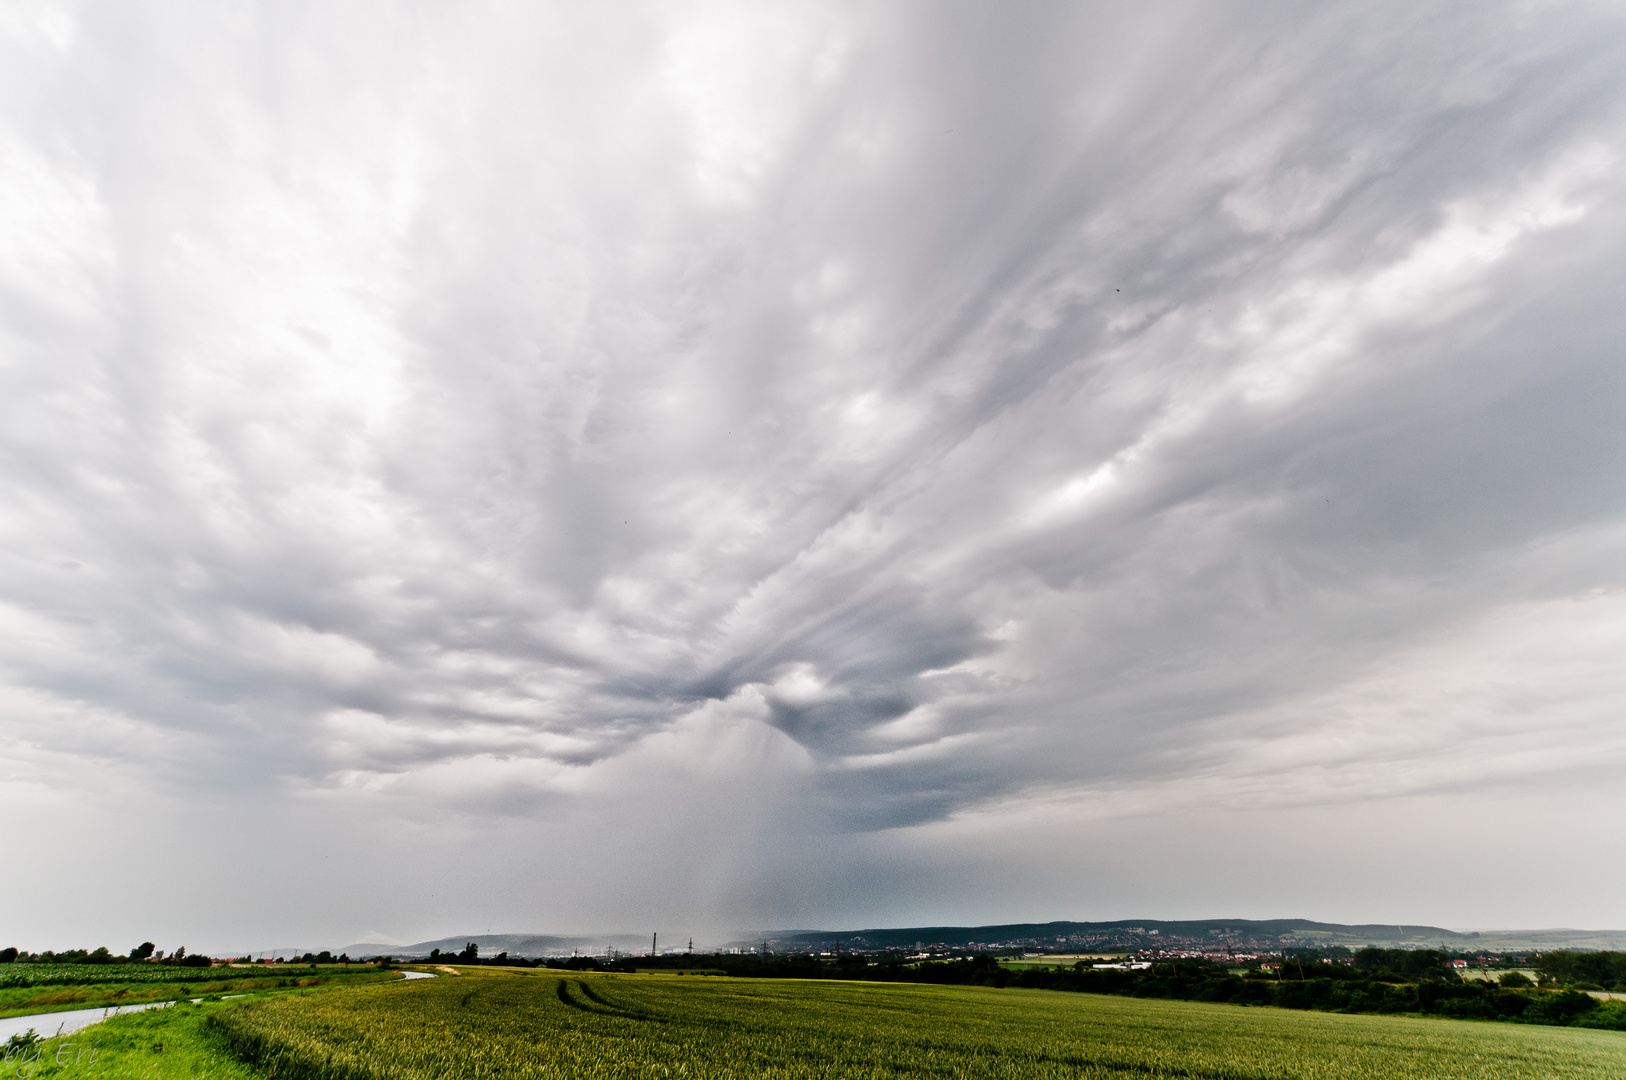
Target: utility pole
(652,939)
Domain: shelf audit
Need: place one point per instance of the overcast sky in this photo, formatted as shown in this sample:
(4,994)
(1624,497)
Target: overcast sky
(725,466)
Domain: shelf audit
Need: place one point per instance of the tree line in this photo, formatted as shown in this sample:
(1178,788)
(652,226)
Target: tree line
(143,952)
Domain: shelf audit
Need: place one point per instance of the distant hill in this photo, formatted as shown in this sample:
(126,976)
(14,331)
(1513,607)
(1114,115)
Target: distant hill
(1558,938)
(528,945)
(1255,933)
(1206,931)
(1119,934)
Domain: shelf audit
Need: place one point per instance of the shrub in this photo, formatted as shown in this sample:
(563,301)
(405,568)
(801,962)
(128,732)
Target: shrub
(1560,1008)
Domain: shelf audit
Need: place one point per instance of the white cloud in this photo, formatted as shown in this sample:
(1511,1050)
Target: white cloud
(815,438)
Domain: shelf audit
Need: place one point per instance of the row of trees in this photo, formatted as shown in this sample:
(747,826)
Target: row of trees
(323,957)
(470,954)
(1591,970)
(1581,970)
(144,951)
(1565,967)
(1380,991)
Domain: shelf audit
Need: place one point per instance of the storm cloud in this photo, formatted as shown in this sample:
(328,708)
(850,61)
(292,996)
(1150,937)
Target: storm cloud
(574,466)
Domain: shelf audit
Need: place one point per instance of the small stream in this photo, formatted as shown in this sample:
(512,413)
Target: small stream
(52,1024)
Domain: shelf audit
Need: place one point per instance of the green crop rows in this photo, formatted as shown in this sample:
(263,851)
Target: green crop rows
(56,997)
(489,1024)
(82,974)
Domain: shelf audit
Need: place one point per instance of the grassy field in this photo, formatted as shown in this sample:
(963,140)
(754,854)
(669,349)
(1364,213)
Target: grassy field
(173,1043)
(14,975)
(25,1000)
(542,1024)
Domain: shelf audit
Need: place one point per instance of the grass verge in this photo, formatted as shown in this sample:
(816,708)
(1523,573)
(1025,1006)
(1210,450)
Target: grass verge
(173,1043)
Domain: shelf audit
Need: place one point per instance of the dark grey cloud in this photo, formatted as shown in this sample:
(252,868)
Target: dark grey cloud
(818,453)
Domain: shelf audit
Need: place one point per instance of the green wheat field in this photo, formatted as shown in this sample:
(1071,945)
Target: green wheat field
(549,1025)
(494,1024)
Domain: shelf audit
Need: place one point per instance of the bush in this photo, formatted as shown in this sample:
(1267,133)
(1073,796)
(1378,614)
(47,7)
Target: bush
(1560,1008)
(1515,980)
(1609,1015)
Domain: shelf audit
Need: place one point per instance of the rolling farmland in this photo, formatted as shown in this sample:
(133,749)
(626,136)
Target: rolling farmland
(536,1024)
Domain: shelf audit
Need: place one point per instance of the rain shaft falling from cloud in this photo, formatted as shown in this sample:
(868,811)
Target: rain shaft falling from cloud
(742,466)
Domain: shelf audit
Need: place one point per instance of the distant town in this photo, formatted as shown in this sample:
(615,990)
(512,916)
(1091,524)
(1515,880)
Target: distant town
(1234,943)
